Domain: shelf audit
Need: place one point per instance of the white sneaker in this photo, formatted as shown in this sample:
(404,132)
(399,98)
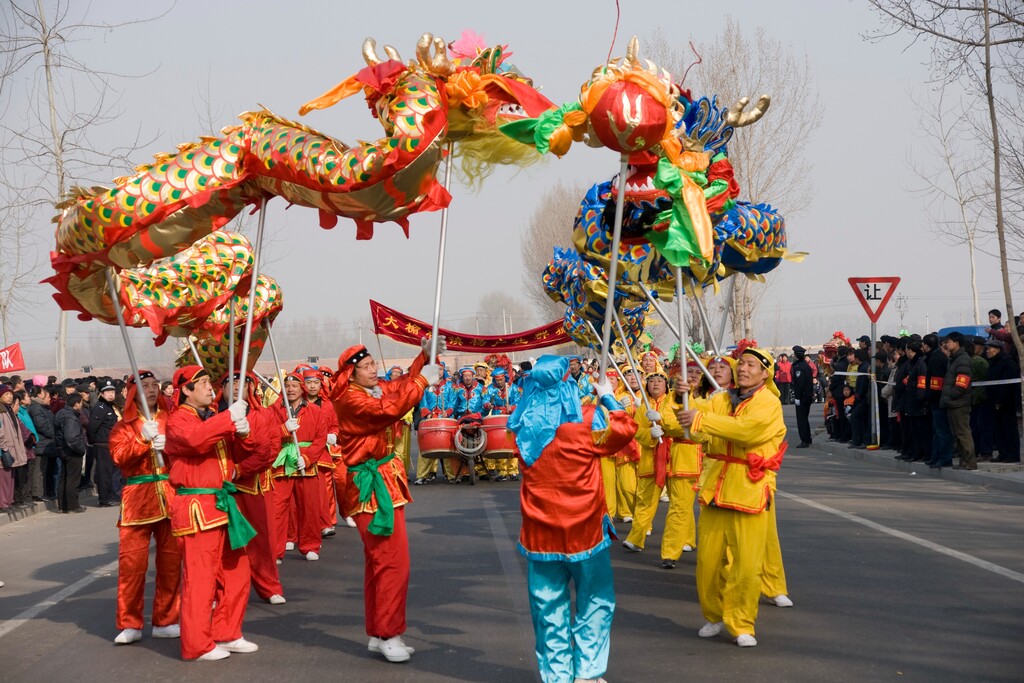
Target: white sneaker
(374,645)
(631,547)
(289,546)
(710,629)
(649,531)
(781,601)
(627,520)
(169,631)
(327,532)
(128,636)
(351,522)
(746,640)
(394,650)
(664,499)
(279,561)
(213,655)
(240,645)
(276,599)
(687,548)
(312,556)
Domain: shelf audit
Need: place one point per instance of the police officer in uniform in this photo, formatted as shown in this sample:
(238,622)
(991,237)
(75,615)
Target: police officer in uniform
(803,394)
(102,419)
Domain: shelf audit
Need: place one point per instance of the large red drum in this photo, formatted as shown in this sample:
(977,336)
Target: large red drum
(436,437)
(499,441)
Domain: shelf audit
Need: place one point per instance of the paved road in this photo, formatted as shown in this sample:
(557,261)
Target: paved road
(894,578)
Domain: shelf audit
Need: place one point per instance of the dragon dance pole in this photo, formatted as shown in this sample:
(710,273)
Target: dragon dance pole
(195,353)
(672,329)
(704,322)
(682,333)
(284,398)
(131,354)
(243,367)
(231,346)
(613,266)
(632,363)
(618,370)
(440,260)
(725,312)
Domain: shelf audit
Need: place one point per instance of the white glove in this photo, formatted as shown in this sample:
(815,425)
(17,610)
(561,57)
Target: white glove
(332,439)
(442,345)
(241,426)
(159,442)
(150,430)
(656,431)
(654,416)
(291,424)
(603,388)
(432,373)
(796,401)
(237,410)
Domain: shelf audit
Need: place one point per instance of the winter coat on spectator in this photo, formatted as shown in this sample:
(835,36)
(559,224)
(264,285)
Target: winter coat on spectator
(69,435)
(42,418)
(956,387)
(917,386)
(10,436)
(899,385)
(1002,366)
(936,364)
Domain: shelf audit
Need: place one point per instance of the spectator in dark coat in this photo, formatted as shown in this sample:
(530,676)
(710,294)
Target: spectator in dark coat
(860,416)
(981,407)
(46,447)
(917,403)
(1006,401)
(102,419)
(956,399)
(71,447)
(803,394)
(942,439)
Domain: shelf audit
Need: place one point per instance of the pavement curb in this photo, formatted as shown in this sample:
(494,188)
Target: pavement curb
(1008,477)
(41,507)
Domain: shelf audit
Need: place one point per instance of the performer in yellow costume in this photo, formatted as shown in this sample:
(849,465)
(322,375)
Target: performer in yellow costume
(748,440)
(620,472)
(667,456)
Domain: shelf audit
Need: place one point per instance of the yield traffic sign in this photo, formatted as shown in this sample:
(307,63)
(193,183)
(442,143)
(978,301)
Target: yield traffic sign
(874,293)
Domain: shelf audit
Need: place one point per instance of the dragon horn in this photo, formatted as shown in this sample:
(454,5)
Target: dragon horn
(737,118)
(631,52)
(392,53)
(370,52)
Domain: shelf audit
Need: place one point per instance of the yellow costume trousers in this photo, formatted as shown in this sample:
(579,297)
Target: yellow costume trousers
(680,523)
(503,466)
(773,574)
(647,494)
(729,590)
(625,489)
(425,467)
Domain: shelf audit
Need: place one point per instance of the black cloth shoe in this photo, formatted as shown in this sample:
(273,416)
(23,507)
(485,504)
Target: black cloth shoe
(803,445)
(668,564)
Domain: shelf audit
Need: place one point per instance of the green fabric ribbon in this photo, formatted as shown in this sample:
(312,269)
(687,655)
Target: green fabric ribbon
(145,479)
(289,457)
(368,479)
(537,132)
(679,243)
(240,532)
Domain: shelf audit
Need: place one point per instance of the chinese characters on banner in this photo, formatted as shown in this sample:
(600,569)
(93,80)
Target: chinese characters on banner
(11,359)
(402,328)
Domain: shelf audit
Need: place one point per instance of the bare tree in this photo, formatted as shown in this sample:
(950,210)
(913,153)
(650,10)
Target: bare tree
(66,102)
(550,226)
(501,313)
(17,261)
(768,157)
(960,187)
(979,43)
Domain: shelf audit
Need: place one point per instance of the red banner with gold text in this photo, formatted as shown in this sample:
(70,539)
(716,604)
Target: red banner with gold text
(11,359)
(402,328)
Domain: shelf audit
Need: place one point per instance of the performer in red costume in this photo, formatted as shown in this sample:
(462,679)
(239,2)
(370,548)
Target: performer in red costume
(204,514)
(145,513)
(255,485)
(327,465)
(295,486)
(377,489)
(566,531)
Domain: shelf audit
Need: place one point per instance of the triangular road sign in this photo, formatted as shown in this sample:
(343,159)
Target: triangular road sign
(874,293)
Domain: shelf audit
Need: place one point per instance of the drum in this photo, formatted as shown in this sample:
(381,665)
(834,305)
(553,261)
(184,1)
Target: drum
(436,437)
(500,442)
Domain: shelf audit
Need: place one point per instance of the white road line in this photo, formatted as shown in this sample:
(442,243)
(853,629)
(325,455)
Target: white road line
(66,592)
(964,557)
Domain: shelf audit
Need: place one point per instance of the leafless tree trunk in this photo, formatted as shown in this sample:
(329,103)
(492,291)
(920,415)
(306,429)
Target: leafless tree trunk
(768,157)
(980,43)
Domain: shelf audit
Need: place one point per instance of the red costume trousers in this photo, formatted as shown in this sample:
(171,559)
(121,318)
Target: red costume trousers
(329,506)
(212,571)
(386,576)
(305,494)
(132,563)
(340,477)
(259,510)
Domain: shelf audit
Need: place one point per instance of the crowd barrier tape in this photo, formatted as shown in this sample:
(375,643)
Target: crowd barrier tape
(986,383)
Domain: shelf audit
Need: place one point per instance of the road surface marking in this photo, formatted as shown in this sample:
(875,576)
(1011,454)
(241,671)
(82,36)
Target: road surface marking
(964,557)
(66,592)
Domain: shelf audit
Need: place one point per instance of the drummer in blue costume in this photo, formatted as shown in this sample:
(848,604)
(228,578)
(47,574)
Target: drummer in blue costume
(438,401)
(501,398)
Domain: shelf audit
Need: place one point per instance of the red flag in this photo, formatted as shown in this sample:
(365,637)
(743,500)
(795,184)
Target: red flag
(11,359)
(402,328)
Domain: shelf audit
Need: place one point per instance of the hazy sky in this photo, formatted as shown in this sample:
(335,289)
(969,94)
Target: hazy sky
(864,220)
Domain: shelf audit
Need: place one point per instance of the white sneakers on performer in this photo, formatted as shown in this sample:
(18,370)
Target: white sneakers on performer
(746,640)
(710,629)
(649,531)
(394,650)
(350,522)
(627,520)
(169,631)
(128,636)
(327,531)
(664,499)
(312,556)
(213,655)
(374,645)
(781,601)
(632,548)
(289,546)
(276,599)
(240,645)
(688,548)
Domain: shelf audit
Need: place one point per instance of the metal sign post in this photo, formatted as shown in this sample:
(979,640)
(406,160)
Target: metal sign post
(874,293)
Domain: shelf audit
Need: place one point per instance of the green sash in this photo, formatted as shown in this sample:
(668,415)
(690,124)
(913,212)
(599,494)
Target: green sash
(240,532)
(368,479)
(145,479)
(289,457)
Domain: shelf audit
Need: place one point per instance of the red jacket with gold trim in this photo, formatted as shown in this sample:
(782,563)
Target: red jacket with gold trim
(140,503)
